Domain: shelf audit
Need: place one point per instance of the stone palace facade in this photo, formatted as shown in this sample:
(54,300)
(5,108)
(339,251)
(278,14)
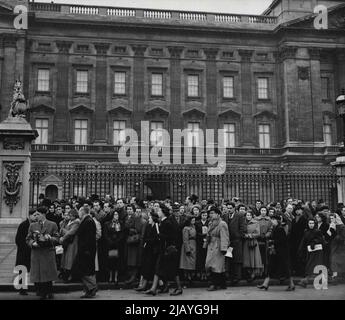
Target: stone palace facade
(270,81)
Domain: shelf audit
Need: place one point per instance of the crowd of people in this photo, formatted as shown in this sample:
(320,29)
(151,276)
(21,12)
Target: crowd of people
(154,244)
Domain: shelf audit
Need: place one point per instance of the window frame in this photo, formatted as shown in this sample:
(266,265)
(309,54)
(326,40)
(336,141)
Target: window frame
(267,88)
(157,133)
(223,87)
(87,71)
(125,84)
(330,134)
(198,95)
(229,132)
(39,129)
(269,133)
(190,135)
(119,132)
(81,129)
(161,84)
(47,80)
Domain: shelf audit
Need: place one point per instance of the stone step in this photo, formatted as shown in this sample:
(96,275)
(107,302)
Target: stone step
(7,234)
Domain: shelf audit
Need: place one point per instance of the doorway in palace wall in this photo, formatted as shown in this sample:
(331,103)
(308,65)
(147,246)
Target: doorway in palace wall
(52,192)
(156,187)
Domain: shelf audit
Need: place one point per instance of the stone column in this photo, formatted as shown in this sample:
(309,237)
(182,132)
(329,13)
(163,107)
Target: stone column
(8,72)
(315,78)
(16,136)
(247,98)
(287,58)
(101,92)
(175,80)
(211,85)
(61,131)
(138,87)
(339,85)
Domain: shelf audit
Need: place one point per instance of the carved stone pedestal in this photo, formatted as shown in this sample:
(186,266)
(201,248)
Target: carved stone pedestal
(339,164)
(16,136)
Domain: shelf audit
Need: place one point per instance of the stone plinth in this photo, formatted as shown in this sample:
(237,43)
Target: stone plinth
(16,136)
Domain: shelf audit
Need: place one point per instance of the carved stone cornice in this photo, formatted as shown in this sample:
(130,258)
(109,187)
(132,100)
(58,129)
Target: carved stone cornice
(9,40)
(102,48)
(211,53)
(314,53)
(64,46)
(287,53)
(246,55)
(139,50)
(175,52)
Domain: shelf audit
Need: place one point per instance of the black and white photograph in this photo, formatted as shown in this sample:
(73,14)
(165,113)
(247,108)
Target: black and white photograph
(180,151)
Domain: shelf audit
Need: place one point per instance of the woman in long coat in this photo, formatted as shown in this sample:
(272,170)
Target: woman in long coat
(114,237)
(69,242)
(218,244)
(188,249)
(151,246)
(168,258)
(252,262)
(311,250)
(337,257)
(201,227)
(299,224)
(279,263)
(266,227)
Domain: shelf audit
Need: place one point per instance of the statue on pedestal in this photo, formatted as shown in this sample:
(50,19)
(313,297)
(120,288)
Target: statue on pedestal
(19,104)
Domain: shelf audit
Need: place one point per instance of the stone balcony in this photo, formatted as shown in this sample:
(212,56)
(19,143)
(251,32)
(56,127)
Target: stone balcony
(152,16)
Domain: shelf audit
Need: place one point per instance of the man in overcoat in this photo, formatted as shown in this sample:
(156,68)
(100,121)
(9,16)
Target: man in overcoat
(85,259)
(23,257)
(42,238)
(236,225)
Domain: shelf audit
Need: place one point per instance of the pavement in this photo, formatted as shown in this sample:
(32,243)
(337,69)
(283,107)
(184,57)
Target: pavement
(233,293)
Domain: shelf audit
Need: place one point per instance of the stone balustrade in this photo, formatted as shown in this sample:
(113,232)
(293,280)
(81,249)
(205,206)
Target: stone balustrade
(152,14)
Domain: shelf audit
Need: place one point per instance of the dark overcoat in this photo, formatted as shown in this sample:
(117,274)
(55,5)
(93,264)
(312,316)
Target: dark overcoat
(43,258)
(311,259)
(237,229)
(169,235)
(279,264)
(201,250)
(151,250)
(23,250)
(85,259)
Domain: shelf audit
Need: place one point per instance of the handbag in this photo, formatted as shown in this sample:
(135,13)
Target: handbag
(252,243)
(133,239)
(114,253)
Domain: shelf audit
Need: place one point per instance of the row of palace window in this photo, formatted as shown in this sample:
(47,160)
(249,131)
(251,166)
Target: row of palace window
(156,135)
(157,84)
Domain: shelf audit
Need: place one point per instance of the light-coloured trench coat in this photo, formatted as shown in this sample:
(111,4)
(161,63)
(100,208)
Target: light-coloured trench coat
(218,241)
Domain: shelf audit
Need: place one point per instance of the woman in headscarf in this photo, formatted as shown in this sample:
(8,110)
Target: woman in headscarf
(279,264)
(311,250)
(337,256)
(218,244)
